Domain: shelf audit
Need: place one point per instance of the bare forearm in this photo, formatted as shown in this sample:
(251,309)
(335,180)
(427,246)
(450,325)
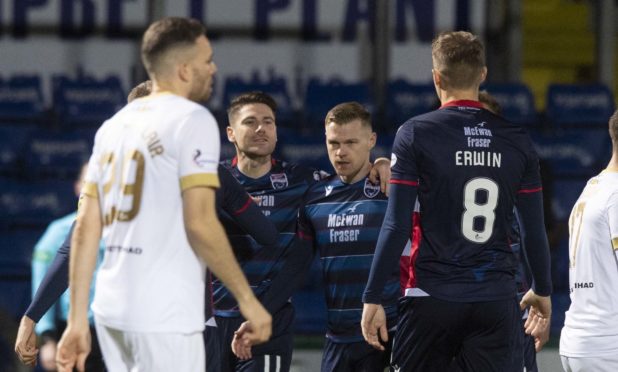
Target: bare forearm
(85,245)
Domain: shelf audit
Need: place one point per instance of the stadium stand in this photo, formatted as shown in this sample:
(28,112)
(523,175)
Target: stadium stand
(516,101)
(86,101)
(405,100)
(21,99)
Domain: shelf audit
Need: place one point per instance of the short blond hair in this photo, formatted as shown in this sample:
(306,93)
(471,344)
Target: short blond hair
(459,57)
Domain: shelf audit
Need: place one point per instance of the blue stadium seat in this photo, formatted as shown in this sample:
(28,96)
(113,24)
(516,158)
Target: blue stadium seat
(87,101)
(13,141)
(405,100)
(34,203)
(16,247)
(309,151)
(516,101)
(586,105)
(320,97)
(575,151)
(21,98)
(566,192)
(57,154)
(276,88)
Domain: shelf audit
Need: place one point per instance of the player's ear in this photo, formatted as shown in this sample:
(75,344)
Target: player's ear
(184,72)
(230,134)
(483,75)
(372,140)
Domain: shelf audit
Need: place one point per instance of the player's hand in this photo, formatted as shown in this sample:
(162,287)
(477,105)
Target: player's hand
(372,323)
(259,321)
(538,327)
(539,316)
(73,348)
(25,342)
(381,173)
(240,349)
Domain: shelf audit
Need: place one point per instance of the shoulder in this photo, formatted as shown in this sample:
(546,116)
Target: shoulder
(295,170)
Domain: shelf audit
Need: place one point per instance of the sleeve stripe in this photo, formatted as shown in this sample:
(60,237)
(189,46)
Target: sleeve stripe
(244,207)
(90,189)
(528,191)
(615,243)
(403,182)
(200,179)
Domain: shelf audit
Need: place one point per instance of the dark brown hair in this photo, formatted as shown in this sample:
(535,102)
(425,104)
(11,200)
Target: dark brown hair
(346,112)
(166,34)
(248,99)
(140,90)
(490,102)
(459,57)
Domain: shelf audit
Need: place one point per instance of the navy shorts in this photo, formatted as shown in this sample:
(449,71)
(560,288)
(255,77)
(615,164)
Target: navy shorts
(437,335)
(354,357)
(275,355)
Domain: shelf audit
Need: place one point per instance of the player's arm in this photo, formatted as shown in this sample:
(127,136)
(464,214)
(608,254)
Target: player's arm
(74,346)
(238,204)
(54,283)
(612,213)
(207,238)
(291,276)
(530,206)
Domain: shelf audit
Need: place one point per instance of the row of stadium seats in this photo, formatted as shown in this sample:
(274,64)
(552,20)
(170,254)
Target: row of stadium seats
(31,152)
(88,101)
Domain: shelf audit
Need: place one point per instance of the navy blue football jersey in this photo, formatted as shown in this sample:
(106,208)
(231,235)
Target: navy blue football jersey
(279,195)
(343,221)
(469,165)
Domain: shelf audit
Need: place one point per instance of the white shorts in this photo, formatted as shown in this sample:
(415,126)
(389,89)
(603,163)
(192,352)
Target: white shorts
(151,352)
(596,364)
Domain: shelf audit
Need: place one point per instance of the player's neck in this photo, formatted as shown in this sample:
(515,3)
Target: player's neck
(613,162)
(458,95)
(254,167)
(362,173)
(159,87)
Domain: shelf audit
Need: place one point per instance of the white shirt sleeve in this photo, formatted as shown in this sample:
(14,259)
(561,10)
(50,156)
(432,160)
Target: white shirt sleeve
(198,147)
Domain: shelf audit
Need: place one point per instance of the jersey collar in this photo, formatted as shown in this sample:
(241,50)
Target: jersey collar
(464,103)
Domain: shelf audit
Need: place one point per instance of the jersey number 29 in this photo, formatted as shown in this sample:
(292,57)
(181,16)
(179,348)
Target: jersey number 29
(132,165)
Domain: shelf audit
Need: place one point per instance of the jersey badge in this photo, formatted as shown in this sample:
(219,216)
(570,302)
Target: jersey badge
(279,180)
(327,190)
(370,189)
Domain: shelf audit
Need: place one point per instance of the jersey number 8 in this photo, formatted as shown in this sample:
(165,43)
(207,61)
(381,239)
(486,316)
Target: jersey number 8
(473,209)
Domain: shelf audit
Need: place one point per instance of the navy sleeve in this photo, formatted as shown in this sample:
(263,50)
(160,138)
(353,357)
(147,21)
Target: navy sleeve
(233,198)
(530,207)
(289,279)
(397,225)
(54,283)
(393,237)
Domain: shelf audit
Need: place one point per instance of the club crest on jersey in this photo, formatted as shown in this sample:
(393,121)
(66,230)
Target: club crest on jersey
(279,180)
(328,189)
(370,189)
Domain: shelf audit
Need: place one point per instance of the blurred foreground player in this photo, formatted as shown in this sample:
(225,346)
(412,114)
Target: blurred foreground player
(589,339)
(150,190)
(468,168)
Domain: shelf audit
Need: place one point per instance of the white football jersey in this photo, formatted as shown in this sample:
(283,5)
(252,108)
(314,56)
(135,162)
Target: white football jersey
(143,158)
(591,324)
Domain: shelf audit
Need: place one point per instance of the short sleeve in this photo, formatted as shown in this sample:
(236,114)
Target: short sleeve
(198,145)
(403,158)
(531,180)
(612,219)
